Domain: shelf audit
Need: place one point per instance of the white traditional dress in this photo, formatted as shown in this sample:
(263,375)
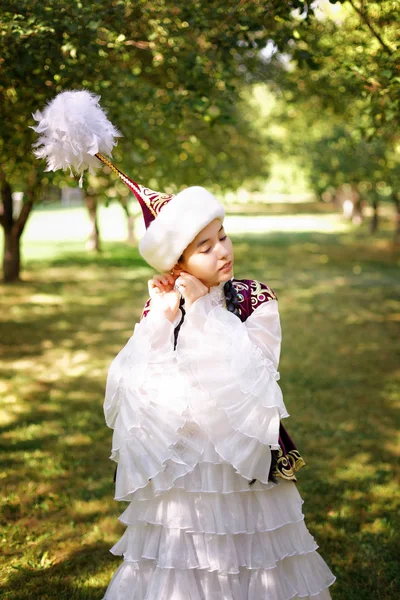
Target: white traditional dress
(192,427)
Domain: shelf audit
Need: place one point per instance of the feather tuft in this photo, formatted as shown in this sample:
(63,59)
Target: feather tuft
(72,129)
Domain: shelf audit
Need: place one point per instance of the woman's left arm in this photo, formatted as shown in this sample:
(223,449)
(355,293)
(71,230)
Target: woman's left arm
(259,337)
(264,330)
(235,364)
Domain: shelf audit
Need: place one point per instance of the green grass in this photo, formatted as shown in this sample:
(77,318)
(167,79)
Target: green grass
(338,290)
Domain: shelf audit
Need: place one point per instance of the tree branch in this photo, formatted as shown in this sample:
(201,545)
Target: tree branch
(364,17)
(124,204)
(23,217)
(31,194)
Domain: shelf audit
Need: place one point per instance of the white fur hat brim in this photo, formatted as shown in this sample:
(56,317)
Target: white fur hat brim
(176,226)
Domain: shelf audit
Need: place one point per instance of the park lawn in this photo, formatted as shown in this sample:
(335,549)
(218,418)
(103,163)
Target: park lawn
(338,291)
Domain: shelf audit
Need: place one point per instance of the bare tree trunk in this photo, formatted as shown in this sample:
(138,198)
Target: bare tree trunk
(93,242)
(396,240)
(13,228)
(12,259)
(358,213)
(131,230)
(130,222)
(345,199)
(375,216)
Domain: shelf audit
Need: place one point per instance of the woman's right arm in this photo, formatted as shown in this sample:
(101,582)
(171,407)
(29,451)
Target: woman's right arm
(144,403)
(149,350)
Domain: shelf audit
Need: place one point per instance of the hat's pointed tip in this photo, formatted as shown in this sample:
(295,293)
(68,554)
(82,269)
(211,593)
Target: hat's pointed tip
(151,202)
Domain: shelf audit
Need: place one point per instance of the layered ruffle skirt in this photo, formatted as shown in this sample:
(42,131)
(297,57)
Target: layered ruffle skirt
(212,536)
(192,430)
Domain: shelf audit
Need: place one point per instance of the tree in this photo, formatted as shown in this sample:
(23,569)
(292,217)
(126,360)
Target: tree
(168,74)
(338,81)
(349,59)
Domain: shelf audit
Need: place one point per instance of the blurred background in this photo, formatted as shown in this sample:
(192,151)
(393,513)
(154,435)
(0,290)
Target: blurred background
(289,112)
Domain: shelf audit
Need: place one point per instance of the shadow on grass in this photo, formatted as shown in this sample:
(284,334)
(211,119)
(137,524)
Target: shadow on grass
(76,578)
(338,298)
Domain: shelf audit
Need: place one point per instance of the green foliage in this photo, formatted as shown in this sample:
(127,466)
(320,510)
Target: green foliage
(333,154)
(339,97)
(349,60)
(169,76)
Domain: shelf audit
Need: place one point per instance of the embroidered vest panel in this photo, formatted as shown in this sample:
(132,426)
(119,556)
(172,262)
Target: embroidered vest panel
(251,293)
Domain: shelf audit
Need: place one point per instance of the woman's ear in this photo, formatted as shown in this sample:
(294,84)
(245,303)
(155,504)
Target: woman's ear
(176,269)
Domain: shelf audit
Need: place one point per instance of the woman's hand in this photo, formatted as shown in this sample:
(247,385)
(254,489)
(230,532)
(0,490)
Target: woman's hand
(164,298)
(191,288)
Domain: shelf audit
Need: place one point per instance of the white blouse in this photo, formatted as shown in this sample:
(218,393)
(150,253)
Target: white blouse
(217,395)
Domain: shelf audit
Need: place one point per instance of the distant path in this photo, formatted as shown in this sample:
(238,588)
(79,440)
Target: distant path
(263,224)
(73,224)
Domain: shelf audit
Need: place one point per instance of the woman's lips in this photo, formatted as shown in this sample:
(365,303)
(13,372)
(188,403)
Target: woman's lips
(226,267)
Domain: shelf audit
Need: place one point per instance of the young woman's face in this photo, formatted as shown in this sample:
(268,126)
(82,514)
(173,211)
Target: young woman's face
(210,256)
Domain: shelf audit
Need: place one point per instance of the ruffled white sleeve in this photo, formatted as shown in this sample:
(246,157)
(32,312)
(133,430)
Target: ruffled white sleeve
(236,396)
(151,341)
(144,404)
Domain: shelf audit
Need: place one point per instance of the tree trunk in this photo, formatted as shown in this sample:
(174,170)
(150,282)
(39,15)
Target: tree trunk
(375,217)
(93,242)
(397,222)
(131,230)
(358,214)
(11,261)
(130,219)
(12,232)
(13,228)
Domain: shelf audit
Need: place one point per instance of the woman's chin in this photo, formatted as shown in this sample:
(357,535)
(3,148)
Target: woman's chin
(225,276)
(220,277)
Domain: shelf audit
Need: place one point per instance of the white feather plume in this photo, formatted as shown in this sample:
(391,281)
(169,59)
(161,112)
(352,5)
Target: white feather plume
(72,129)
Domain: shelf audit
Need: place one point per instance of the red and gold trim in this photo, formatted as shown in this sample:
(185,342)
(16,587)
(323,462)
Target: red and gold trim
(150,201)
(288,464)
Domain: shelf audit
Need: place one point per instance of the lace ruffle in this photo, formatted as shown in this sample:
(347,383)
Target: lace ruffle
(220,513)
(205,477)
(179,549)
(303,576)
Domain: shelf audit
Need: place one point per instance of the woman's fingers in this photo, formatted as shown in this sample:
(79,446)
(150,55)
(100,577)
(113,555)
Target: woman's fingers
(169,279)
(165,278)
(187,279)
(156,283)
(161,283)
(156,279)
(188,276)
(160,278)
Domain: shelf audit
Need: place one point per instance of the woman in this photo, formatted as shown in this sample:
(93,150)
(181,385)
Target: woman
(203,459)
(208,469)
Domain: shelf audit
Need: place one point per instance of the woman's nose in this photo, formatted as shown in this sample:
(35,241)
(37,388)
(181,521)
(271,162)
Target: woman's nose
(221,251)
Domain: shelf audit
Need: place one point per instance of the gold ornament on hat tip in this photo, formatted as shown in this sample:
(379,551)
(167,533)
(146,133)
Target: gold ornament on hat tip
(122,176)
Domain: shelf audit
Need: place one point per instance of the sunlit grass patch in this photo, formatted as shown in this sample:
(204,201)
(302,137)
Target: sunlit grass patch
(338,291)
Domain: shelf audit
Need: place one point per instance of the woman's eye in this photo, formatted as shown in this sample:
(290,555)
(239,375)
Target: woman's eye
(208,249)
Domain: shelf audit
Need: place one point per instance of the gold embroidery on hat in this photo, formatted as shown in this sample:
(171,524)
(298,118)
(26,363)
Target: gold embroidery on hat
(125,179)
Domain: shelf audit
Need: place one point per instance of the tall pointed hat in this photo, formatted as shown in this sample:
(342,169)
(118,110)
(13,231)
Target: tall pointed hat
(75,133)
